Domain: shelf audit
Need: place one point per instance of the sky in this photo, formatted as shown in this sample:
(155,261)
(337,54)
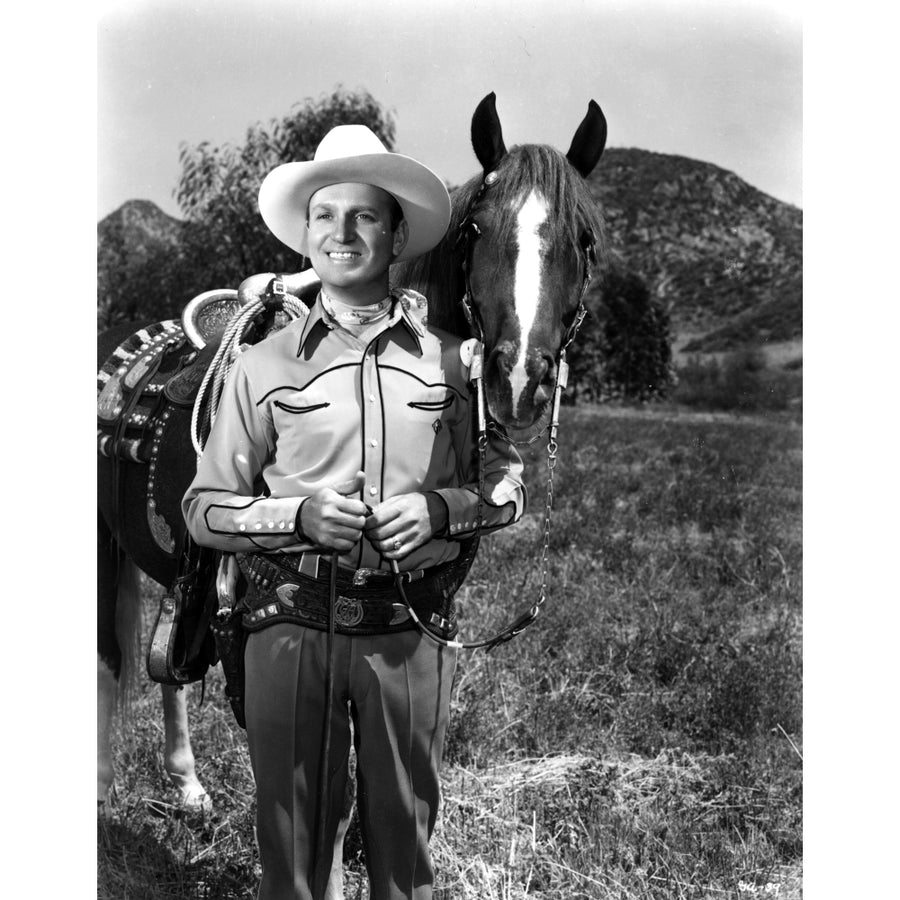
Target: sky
(716,81)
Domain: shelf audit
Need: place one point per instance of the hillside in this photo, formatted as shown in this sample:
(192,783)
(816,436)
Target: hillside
(726,257)
(136,227)
(136,245)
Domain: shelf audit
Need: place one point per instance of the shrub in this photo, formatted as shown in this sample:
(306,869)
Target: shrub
(741,382)
(623,350)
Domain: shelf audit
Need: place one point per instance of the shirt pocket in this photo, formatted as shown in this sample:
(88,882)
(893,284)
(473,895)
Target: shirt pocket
(437,400)
(300,408)
(304,422)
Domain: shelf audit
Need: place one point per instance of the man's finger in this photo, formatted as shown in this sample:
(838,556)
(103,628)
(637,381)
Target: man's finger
(383,514)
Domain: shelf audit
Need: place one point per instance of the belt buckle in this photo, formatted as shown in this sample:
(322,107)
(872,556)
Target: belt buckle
(361,576)
(348,611)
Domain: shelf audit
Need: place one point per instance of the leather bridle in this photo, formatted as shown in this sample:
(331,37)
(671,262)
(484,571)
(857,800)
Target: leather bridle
(467,235)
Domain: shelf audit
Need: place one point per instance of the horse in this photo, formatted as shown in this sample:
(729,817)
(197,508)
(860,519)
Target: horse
(125,546)
(524,237)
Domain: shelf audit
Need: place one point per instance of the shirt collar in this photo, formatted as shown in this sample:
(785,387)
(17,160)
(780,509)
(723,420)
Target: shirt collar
(410,308)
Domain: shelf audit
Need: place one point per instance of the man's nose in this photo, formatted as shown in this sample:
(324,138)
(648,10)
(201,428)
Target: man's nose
(343,230)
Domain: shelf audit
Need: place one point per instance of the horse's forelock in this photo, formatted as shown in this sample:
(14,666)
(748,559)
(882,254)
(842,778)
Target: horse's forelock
(525,168)
(541,168)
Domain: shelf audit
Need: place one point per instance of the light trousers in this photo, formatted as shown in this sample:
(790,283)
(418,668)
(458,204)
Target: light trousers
(396,688)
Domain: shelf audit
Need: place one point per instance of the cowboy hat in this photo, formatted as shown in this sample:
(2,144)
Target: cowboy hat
(353,153)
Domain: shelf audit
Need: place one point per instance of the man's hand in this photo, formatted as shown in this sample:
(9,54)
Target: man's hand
(400,525)
(333,519)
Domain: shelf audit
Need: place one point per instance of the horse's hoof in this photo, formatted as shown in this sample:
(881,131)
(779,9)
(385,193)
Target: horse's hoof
(199,803)
(193,797)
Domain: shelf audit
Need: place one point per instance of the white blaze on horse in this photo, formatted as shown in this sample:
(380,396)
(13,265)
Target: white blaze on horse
(519,253)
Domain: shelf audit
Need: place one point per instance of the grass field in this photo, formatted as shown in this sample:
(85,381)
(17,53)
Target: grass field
(640,740)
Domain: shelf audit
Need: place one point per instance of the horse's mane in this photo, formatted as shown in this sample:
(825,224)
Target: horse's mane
(526,167)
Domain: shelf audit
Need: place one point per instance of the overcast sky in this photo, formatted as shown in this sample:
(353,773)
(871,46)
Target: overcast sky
(715,81)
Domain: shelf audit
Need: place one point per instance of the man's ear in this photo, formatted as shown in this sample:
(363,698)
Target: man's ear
(401,236)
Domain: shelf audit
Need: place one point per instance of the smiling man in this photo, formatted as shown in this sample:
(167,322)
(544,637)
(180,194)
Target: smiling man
(350,432)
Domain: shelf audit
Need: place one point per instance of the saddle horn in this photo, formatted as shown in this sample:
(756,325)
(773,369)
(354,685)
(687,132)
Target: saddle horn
(487,135)
(589,141)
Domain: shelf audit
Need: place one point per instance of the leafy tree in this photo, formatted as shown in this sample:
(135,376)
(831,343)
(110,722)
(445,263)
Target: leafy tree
(223,239)
(218,187)
(623,350)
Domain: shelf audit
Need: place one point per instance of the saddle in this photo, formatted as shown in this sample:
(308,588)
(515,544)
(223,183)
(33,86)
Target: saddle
(158,371)
(155,371)
(160,364)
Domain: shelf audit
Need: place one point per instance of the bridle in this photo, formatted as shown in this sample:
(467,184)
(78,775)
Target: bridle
(468,233)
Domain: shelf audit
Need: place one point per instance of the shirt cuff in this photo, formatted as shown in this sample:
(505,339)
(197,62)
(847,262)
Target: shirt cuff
(298,530)
(461,509)
(444,530)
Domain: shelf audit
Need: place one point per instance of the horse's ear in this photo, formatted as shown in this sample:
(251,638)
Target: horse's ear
(589,141)
(487,135)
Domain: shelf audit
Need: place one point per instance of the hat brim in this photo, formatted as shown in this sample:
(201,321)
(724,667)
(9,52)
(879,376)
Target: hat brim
(285,192)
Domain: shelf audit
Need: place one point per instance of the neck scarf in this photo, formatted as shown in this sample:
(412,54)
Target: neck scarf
(355,317)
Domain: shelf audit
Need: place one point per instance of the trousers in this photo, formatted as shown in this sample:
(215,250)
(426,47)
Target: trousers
(395,688)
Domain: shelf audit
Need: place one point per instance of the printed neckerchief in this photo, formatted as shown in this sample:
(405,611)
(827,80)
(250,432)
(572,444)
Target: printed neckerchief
(356,319)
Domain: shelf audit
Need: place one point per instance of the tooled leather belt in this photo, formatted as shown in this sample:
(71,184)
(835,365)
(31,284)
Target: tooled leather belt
(288,588)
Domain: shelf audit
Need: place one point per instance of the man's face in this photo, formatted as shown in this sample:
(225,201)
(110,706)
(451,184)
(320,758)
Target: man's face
(351,244)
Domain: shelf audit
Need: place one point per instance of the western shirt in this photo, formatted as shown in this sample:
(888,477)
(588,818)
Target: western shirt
(312,404)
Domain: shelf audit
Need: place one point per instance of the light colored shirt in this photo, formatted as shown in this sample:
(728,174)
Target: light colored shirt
(313,404)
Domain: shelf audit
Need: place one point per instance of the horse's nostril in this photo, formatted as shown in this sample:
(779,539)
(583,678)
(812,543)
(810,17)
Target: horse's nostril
(504,356)
(546,370)
(541,395)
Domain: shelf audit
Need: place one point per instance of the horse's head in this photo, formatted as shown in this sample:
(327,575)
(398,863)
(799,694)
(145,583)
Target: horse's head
(529,228)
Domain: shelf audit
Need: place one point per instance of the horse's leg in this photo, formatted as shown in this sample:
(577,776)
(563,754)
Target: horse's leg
(335,888)
(179,756)
(109,658)
(106,704)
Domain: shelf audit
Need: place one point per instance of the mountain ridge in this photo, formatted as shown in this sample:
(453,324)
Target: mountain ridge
(723,257)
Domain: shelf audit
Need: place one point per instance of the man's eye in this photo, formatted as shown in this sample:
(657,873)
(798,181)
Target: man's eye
(368,217)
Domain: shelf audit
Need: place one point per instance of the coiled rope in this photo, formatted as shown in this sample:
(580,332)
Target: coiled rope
(228,352)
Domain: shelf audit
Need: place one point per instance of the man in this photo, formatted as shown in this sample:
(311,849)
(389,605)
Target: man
(350,432)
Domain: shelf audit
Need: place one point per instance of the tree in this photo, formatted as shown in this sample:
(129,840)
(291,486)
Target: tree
(152,274)
(623,350)
(218,187)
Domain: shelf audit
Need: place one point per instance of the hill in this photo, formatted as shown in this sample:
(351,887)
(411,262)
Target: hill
(136,247)
(137,228)
(725,257)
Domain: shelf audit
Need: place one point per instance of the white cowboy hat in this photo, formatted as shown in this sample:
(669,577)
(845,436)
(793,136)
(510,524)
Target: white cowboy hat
(353,153)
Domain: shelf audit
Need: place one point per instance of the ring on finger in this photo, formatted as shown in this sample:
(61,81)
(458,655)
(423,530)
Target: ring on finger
(397,544)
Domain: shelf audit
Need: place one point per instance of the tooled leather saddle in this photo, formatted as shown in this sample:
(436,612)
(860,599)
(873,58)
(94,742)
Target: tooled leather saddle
(145,391)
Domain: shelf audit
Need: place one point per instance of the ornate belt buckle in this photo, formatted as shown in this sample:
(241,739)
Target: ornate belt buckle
(361,576)
(286,593)
(348,611)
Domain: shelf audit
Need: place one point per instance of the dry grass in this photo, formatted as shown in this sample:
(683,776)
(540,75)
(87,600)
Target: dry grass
(641,740)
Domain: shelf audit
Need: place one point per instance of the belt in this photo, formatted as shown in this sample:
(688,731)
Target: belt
(289,588)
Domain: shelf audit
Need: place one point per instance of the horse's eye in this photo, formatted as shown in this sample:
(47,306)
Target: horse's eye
(588,244)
